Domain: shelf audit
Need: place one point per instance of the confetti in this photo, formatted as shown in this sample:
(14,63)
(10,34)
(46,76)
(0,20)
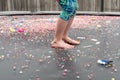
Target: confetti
(79,38)
(65,70)
(21,30)
(37,79)
(77,73)
(117,34)
(64,74)
(21,72)
(14,68)
(97,43)
(12,29)
(88,46)
(77,77)
(99,26)
(113,79)
(90,76)
(78,55)
(94,40)
(2,57)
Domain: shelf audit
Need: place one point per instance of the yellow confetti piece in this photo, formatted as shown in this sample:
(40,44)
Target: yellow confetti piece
(113,79)
(99,26)
(93,19)
(70,59)
(12,29)
(78,55)
(109,65)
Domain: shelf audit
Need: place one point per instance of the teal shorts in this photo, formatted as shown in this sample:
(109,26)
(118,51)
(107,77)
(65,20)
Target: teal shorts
(69,8)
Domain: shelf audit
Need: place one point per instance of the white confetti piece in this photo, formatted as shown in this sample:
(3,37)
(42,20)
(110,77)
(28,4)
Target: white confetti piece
(97,43)
(94,40)
(87,46)
(81,38)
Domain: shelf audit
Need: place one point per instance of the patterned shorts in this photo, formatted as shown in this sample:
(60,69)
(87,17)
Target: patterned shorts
(69,8)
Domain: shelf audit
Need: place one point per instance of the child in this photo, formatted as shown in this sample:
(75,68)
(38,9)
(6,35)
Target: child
(61,38)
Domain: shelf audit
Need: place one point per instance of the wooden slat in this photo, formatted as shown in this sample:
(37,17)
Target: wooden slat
(8,5)
(112,5)
(32,5)
(42,5)
(115,5)
(38,5)
(0,5)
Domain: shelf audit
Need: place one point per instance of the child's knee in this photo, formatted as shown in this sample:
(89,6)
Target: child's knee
(67,14)
(69,9)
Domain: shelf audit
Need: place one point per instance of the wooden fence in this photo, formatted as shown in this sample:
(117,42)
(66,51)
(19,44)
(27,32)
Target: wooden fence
(51,5)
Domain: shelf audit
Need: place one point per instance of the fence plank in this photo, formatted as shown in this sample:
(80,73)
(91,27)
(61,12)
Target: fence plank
(115,5)
(112,5)
(42,5)
(38,5)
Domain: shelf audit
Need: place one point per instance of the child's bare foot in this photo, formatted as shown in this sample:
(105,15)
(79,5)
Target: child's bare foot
(71,41)
(61,45)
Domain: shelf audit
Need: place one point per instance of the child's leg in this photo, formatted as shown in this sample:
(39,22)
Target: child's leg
(69,10)
(67,27)
(58,42)
(61,26)
(66,37)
